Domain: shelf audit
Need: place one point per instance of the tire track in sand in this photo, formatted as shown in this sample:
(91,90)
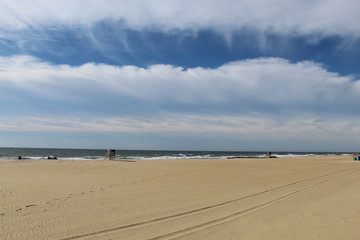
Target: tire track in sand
(220,220)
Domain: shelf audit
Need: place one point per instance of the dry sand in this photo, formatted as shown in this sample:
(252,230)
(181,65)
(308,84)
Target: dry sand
(283,198)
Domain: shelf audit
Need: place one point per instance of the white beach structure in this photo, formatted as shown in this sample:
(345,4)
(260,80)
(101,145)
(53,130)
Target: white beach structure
(110,154)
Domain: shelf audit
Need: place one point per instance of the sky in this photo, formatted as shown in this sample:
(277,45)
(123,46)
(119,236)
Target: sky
(225,75)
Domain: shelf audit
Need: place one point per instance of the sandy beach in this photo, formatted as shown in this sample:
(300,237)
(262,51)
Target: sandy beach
(280,198)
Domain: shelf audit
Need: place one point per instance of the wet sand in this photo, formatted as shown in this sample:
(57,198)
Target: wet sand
(281,198)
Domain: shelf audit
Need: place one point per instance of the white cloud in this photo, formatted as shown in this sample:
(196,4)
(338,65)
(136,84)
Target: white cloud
(294,17)
(257,85)
(266,99)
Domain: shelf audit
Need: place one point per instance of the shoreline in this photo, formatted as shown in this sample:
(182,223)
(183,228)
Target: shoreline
(269,198)
(81,154)
(172,158)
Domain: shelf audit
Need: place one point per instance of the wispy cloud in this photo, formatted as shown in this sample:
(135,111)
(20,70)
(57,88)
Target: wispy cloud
(173,131)
(181,32)
(172,124)
(296,17)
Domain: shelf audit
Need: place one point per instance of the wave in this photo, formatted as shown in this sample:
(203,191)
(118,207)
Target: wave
(98,154)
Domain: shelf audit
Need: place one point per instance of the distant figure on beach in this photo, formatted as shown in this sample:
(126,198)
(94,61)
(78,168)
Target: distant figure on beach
(19,157)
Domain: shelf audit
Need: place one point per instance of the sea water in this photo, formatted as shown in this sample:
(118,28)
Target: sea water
(98,154)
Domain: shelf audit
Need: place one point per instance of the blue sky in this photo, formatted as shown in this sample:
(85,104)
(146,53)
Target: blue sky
(184,75)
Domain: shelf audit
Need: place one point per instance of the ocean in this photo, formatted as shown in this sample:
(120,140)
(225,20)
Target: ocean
(98,154)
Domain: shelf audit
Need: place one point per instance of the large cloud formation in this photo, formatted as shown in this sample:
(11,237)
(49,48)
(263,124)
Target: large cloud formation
(268,97)
(242,87)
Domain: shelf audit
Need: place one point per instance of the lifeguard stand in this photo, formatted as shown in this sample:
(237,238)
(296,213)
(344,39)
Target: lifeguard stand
(269,155)
(110,154)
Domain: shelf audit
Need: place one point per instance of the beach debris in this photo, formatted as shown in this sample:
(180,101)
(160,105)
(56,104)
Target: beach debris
(110,154)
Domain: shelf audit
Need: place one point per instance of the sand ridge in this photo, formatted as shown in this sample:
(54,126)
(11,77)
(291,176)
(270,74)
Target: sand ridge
(283,198)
